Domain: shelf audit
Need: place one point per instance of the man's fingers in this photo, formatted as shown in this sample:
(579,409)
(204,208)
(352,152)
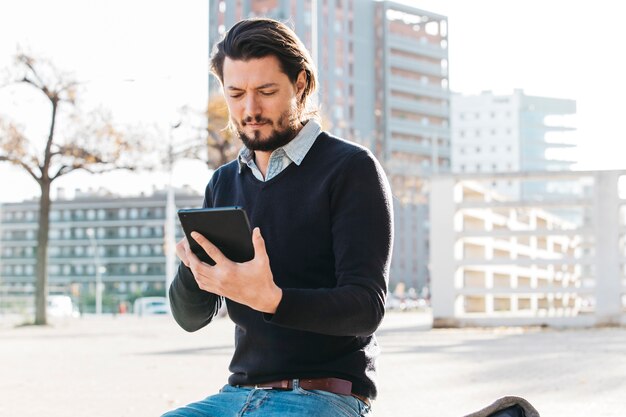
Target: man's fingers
(259,243)
(182,249)
(209,248)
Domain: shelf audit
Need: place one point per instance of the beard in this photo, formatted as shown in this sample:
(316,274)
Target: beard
(282,133)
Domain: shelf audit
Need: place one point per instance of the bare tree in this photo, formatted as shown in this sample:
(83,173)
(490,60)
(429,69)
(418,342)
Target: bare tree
(212,142)
(73,142)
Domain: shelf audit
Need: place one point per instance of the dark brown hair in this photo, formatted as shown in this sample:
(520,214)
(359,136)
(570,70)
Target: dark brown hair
(260,37)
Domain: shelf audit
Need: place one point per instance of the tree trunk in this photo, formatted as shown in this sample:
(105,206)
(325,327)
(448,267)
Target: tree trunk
(41,294)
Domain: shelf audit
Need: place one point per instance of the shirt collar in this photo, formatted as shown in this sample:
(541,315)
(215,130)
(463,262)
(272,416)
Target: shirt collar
(295,150)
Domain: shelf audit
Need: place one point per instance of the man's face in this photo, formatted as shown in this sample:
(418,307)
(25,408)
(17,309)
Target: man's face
(262,102)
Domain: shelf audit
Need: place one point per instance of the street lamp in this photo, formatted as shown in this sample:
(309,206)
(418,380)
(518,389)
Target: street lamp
(170,214)
(94,244)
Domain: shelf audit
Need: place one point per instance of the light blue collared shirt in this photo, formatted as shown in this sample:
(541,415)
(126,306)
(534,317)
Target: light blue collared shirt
(294,151)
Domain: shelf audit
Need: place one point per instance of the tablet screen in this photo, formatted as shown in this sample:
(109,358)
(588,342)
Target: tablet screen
(227,228)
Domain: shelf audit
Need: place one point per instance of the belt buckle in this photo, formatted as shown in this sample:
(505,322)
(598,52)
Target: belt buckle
(262,387)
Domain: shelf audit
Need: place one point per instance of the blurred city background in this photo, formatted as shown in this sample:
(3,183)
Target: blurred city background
(492,122)
(498,125)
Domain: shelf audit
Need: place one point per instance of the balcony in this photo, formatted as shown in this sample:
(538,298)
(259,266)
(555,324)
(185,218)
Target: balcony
(442,111)
(410,45)
(411,127)
(416,87)
(409,64)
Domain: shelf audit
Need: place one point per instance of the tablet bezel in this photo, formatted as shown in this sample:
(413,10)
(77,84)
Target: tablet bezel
(228,228)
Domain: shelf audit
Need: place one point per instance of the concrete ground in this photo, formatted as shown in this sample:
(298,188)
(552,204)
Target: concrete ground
(130,366)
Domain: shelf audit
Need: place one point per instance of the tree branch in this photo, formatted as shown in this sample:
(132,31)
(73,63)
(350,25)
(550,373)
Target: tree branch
(22,164)
(28,61)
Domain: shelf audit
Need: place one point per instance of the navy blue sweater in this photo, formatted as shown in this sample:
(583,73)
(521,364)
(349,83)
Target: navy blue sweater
(327,226)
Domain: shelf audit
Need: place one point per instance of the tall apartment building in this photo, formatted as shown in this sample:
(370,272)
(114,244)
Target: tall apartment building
(122,236)
(502,133)
(383,76)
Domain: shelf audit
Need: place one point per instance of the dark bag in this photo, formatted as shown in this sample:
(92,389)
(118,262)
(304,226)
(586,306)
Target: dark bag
(507,407)
(513,411)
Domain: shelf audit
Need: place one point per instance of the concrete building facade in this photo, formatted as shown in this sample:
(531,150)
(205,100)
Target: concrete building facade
(511,133)
(122,236)
(498,261)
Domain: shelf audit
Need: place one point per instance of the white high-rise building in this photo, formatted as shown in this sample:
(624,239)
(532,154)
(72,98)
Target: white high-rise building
(511,133)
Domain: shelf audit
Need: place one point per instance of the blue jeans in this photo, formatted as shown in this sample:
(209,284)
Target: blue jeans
(251,402)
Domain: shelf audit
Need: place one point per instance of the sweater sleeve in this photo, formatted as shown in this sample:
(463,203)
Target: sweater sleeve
(192,307)
(362,233)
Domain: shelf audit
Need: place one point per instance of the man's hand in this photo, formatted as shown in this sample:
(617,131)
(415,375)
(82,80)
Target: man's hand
(249,283)
(182,251)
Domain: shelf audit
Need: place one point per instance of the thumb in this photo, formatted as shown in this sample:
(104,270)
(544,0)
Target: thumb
(258,242)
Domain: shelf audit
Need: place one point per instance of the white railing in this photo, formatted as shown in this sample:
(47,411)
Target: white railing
(554,259)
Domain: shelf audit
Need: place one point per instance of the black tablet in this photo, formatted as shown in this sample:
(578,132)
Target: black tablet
(227,228)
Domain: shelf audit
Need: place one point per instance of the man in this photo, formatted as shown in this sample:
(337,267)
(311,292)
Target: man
(307,305)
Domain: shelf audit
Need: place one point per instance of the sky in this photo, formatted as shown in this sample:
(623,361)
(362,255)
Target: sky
(144,60)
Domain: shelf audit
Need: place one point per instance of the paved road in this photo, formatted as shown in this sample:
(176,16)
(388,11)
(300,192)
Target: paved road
(129,366)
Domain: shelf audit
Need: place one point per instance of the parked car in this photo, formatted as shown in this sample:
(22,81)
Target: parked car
(61,306)
(146,306)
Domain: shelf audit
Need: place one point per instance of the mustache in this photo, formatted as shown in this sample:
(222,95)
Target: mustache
(255,119)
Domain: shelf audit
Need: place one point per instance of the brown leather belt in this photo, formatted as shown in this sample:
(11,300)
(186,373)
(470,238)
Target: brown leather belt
(334,385)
